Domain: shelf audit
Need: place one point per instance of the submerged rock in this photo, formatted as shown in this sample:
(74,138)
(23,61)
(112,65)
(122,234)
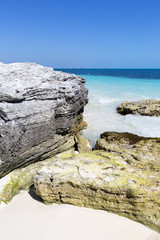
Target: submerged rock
(147,107)
(40,113)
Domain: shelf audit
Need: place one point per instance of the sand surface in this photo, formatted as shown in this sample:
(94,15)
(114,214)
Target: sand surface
(25,218)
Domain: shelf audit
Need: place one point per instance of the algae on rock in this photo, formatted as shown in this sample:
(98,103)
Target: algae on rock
(82,144)
(22,178)
(139,151)
(103,180)
(122,177)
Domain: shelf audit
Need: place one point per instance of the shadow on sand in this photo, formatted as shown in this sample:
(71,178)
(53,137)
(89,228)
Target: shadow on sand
(34,195)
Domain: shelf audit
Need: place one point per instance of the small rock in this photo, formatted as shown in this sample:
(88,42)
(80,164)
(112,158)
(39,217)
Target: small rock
(82,144)
(147,107)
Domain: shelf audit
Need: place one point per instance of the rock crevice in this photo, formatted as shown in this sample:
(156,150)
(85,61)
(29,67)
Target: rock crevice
(121,177)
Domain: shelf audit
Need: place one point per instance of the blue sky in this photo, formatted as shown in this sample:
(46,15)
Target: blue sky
(89,34)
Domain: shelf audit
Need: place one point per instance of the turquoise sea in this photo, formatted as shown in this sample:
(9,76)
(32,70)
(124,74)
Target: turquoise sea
(107,89)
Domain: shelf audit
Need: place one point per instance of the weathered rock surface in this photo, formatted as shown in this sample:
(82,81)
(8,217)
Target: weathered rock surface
(145,107)
(103,180)
(139,151)
(123,179)
(82,144)
(22,178)
(40,112)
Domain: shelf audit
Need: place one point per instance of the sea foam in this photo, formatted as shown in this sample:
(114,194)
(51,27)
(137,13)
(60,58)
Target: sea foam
(106,93)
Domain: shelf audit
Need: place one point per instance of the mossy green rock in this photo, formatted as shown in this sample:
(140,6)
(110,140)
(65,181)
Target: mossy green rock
(103,180)
(141,152)
(22,178)
(82,144)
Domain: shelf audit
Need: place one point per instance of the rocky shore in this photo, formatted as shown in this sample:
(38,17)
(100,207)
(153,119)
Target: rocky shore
(121,176)
(41,118)
(123,179)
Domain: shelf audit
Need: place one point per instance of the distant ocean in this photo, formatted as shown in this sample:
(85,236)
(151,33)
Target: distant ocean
(107,89)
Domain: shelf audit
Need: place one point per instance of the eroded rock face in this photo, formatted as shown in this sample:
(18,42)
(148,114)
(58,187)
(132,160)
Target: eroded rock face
(147,107)
(40,112)
(103,180)
(82,144)
(139,151)
(22,178)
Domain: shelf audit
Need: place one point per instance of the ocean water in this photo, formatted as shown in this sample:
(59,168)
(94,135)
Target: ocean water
(108,89)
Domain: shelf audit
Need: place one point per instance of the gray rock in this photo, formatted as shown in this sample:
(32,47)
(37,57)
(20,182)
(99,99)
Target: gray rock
(40,110)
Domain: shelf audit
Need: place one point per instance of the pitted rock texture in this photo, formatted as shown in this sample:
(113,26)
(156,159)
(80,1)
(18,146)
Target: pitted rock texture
(147,107)
(40,111)
(142,152)
(82,144)
(103,180)
(22,178)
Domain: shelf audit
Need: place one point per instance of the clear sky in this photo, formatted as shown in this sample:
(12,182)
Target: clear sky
(78,33)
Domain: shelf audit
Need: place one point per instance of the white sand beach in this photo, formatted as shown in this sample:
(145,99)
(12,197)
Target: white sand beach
(28,219)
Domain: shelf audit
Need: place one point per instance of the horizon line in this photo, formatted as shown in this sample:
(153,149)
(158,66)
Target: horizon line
(103,68)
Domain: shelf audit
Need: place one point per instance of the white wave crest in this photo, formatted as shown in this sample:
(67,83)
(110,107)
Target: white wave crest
(144,125)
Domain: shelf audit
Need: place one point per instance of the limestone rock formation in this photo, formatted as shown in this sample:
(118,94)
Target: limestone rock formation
(40,113)
(82,144)
(139,151)
(22,178)
(147,107)
(124,179)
